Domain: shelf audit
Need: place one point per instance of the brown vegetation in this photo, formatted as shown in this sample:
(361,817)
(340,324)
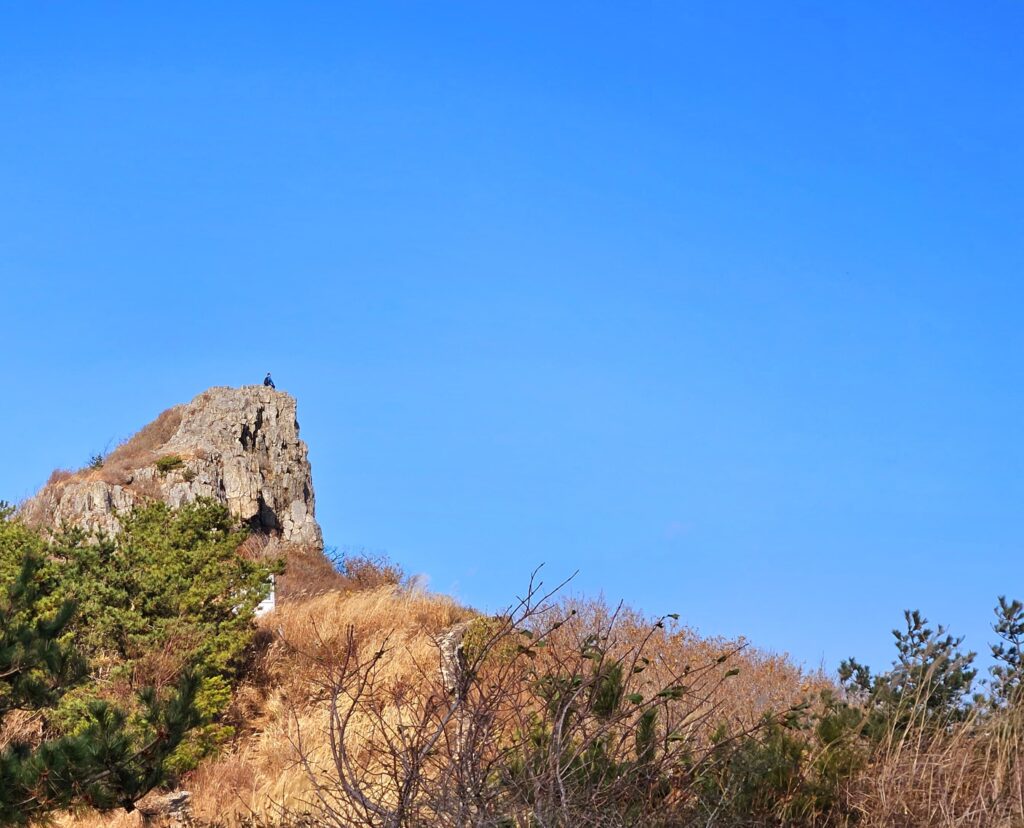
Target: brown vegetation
(353,725)
(565,713)
(118,467)
(59,476)
(310,572)
(314,643)
(142,449)
(260,774)
(970,774)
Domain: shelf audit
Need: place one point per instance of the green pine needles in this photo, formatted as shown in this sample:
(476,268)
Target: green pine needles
(125,648)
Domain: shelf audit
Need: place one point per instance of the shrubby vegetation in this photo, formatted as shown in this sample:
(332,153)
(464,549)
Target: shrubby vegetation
(565,718)
(909,746)
(118,655)
(169,463)
(128,662)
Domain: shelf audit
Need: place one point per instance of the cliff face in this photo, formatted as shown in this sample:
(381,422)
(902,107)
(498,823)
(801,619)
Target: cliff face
(240,446)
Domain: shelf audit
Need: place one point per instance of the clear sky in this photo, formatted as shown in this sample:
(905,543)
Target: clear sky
(719,303)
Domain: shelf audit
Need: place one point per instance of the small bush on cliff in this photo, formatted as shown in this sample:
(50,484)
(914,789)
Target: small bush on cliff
(168,463)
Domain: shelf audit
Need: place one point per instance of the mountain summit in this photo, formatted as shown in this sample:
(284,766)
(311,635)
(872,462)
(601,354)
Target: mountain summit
(239,446)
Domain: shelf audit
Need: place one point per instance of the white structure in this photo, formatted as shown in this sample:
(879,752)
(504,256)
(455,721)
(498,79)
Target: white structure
(268,603)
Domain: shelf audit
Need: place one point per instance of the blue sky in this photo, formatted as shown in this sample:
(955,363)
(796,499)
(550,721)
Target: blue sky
(718,303)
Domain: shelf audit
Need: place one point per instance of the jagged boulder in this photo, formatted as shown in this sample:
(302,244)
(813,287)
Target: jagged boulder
(165,809)
(240,446)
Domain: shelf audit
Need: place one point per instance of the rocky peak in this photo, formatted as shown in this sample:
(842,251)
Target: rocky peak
(240,446)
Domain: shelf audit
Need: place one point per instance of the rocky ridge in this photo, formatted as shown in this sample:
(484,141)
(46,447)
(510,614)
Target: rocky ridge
(240,446)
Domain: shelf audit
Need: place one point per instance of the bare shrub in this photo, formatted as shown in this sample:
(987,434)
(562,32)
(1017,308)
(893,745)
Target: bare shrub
(59,476)
(258,546)
(308,572)
(367,570)
(284,695)
(551,722)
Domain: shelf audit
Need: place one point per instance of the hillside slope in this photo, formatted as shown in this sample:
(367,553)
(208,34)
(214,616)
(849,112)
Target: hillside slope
(242,448)
(365,700)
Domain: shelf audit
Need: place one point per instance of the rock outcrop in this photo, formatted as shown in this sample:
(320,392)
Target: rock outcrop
(240,446)
(453,660)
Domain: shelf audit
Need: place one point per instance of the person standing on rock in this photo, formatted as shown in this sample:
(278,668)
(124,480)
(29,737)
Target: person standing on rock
(268,382)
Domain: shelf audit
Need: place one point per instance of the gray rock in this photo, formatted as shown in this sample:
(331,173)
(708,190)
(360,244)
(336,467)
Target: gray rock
(240,446)
(453,660)
(170,808)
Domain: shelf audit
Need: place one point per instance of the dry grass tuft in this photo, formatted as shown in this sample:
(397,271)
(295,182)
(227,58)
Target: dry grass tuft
(280,697)
(20,726)
(141,449)
(969,774)
(308,572)
(136,452)
(59,476)
(225,785)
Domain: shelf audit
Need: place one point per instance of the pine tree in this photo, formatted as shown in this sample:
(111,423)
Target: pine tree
(1008,671)
(929,682)
(113,759)
(931,670)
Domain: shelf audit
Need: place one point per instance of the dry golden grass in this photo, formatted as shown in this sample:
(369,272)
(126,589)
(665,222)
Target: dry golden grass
(308,573)
(91,819)
(20,726)
(143,447)
(140,450)
(59,476)
(259,775)
(968,775)
(280,701)
(765,681)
